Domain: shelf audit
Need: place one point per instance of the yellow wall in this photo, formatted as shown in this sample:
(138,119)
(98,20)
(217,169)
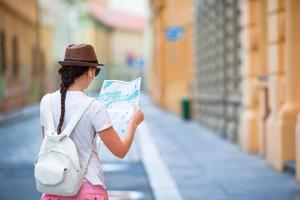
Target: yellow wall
(18,19)
(102,45)
(99,37)
(172,70)
(285,23)
(274,43)
(276,57)
(122,42)
(254,46)
(25,9)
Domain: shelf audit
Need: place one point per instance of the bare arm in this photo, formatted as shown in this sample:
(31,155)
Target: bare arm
(112,140)
(114,143)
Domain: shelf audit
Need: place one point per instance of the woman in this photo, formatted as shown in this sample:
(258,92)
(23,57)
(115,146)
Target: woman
(78,70)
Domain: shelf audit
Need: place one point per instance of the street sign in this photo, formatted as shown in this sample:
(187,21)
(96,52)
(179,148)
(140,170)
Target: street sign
(174,33)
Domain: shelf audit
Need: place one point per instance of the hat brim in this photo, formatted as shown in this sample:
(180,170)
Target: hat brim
(79,63)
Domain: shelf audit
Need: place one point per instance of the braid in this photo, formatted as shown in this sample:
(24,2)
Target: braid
(68,75)
(63,92)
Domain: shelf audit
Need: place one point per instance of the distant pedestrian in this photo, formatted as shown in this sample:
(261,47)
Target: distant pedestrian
(77,71)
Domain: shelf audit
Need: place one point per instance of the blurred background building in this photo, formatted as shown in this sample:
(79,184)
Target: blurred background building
(241,75)
(236,61)
(34,35)
(217,99)
(172,70)
(21,57)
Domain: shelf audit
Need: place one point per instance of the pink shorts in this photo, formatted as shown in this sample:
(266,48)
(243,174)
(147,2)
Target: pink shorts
(86,192)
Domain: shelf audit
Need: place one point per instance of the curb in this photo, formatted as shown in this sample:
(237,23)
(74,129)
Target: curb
(161,181)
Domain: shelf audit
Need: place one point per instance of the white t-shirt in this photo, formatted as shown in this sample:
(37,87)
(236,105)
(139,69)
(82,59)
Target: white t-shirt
(95,119)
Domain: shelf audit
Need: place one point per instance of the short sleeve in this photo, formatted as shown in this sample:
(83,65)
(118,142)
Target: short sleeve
(99,116)
(42,111)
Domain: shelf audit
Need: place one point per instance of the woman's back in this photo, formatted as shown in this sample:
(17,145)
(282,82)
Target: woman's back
(78,69)
(94,120)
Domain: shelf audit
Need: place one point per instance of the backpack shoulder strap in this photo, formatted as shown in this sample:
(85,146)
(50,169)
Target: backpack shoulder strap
(49,113)
(77,115)
(85,165)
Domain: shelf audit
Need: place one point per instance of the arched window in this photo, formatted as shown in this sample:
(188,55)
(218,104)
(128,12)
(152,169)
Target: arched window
(34,62)
(2,52)
(15,54)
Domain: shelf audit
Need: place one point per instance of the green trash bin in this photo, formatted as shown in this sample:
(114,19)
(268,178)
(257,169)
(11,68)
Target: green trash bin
(185,108)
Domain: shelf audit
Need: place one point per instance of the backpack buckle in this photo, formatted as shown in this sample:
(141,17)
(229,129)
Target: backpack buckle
(62,137)
(51,133)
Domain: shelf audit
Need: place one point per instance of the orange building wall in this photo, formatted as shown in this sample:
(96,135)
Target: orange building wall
(18,20)
(172,70)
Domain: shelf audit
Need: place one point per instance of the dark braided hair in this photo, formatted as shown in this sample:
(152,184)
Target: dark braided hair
(68,74)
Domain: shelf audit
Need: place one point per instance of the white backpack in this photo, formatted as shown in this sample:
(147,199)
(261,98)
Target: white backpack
(57,169)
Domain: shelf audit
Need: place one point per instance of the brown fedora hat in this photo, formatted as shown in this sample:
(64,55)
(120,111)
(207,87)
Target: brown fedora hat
(80,55)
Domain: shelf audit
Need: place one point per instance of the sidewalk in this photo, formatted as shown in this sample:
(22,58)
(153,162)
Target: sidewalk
(182,161)
(20,115)
(204,166)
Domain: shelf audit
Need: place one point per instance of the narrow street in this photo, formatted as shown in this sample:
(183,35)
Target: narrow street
(19,143)
(217,82)
(170,159)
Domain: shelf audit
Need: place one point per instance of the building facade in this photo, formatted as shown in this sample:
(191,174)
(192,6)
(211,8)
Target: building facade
(171,75)
(59,24)
(118,37)
(21,58)
(218,65)
(248,75)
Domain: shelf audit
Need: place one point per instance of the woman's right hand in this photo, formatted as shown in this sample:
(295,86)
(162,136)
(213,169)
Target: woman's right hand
(119,147)
(137,116)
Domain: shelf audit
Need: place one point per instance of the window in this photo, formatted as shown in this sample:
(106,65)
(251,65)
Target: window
(2,52)
(15,54)
(38,61)
(33,57)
